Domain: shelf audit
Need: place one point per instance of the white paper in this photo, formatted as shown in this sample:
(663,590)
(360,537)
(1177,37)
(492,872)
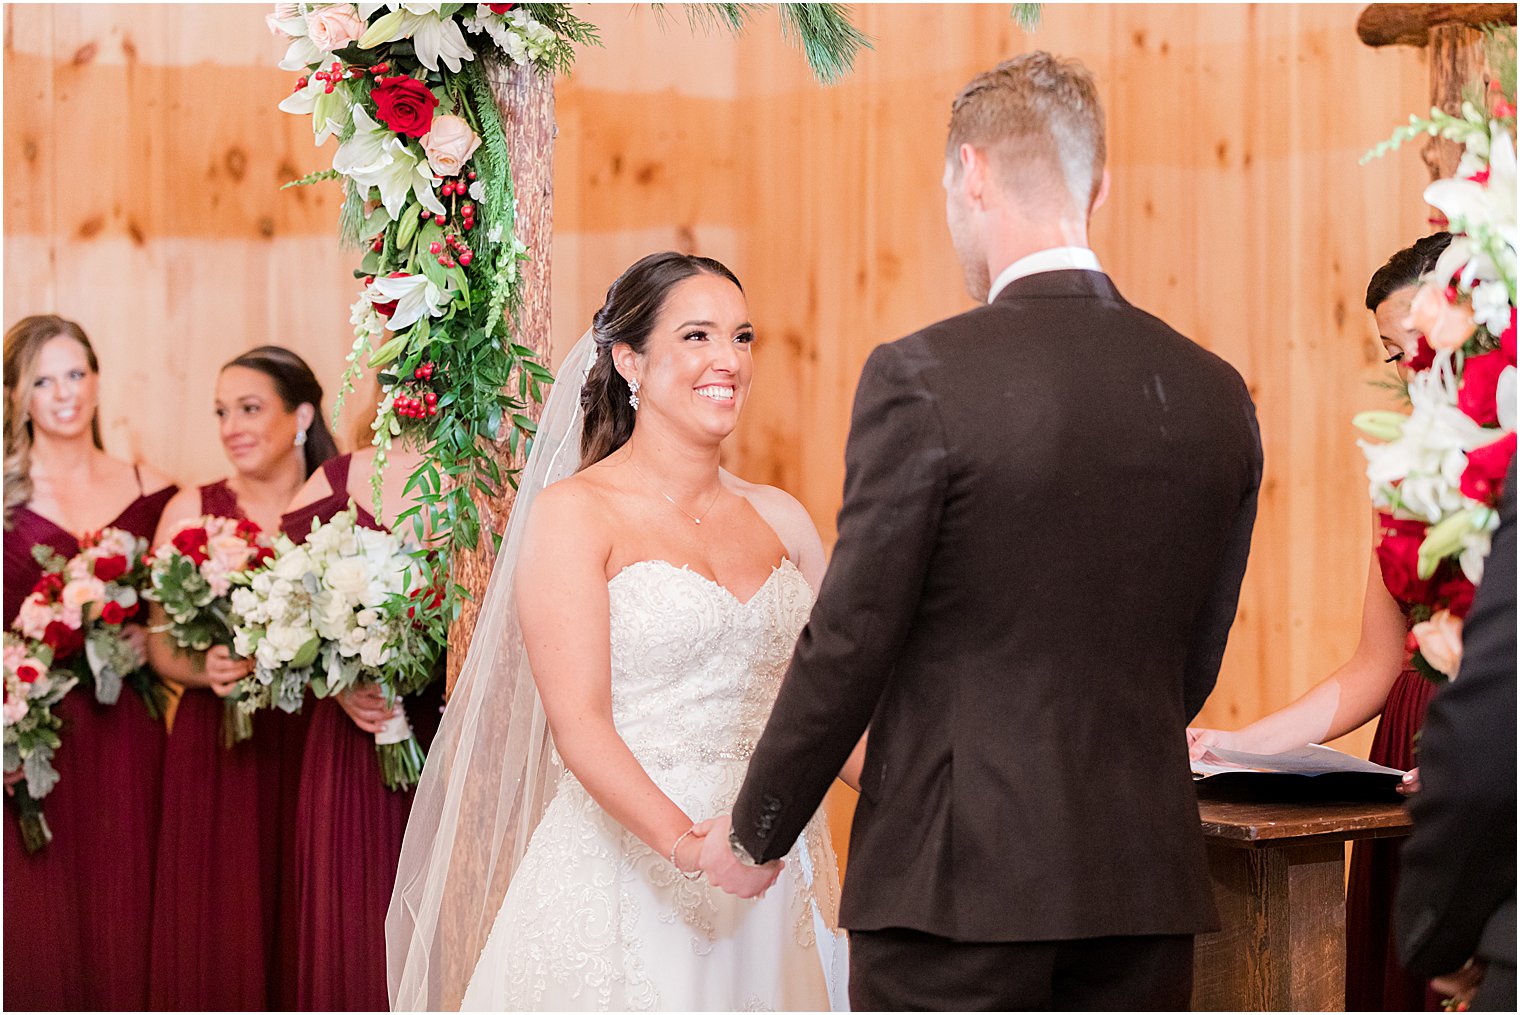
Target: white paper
(1311,759)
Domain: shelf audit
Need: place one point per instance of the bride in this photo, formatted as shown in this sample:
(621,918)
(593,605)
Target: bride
(640,618)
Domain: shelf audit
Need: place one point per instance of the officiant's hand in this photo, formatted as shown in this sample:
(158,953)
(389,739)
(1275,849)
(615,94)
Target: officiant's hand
(725,870)
(1200,740)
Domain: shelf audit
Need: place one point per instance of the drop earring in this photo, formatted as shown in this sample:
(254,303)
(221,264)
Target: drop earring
(633,394)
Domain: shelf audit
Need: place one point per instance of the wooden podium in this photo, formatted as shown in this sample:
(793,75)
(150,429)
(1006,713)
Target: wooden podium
(1279,874)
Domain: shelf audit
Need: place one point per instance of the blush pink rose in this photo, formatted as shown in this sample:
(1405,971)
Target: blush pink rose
(1445,325)
(333,28)
(449,144)
(1440,641)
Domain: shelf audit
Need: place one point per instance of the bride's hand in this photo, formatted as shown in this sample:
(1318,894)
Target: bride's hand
(1200,740)
(724,870)
(365,705)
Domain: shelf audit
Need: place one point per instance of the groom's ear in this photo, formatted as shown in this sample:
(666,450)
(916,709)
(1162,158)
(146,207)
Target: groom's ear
(1101,195)
(973,172)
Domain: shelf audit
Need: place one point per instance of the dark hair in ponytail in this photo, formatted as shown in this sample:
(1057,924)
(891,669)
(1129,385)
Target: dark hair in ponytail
(1405,268)
(296,384)
(627,317)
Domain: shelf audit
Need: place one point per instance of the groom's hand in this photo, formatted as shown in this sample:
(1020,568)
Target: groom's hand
(725,870)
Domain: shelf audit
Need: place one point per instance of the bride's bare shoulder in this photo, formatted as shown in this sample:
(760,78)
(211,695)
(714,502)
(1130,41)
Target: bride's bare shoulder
(577,506)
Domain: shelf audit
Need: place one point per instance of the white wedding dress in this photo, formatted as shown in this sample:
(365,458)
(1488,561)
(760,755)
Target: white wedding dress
(593,918)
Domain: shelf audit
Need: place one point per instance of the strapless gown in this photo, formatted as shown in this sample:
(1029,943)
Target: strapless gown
(596,920)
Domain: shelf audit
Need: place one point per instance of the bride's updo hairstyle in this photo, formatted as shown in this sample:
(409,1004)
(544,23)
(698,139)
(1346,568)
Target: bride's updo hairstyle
(633,304)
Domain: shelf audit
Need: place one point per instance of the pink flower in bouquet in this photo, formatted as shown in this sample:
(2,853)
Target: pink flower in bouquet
(1445,324)
(81,592)
(35,615)
(1478,393)
(1440,641)
(331,28)
(449,144)
(1483,479)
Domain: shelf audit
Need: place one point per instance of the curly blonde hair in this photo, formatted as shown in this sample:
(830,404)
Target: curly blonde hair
(23,347)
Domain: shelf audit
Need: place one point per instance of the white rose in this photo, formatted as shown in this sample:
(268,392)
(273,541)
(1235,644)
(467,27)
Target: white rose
(374,652)
(448,144)
(348,578)
(292,565)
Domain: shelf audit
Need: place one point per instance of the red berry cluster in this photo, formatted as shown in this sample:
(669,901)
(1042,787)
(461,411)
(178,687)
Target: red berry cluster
(458,251)
(337,72)
(409,407)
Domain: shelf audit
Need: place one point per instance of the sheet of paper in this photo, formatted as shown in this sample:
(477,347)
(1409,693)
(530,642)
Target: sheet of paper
(1312,759)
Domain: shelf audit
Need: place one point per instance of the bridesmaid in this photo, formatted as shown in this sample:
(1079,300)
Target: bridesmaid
(1377,681)
(348,825)
(77,914)
(223,913)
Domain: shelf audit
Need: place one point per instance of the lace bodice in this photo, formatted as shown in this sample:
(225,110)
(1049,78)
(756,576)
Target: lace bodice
(694,669)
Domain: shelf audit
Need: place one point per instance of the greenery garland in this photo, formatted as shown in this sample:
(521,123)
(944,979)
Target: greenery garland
(428,199)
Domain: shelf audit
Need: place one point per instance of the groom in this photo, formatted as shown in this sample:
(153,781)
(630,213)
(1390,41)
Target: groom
(1047,509)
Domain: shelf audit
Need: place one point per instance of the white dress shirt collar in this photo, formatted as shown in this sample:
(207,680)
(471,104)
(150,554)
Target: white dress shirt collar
(1050,259)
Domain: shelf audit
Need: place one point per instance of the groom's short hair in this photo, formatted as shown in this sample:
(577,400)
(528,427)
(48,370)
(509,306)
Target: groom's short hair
(1035,112)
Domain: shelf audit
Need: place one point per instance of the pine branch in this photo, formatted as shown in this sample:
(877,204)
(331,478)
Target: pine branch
(310,178)
(1026,16)
(826,36)
(710,17)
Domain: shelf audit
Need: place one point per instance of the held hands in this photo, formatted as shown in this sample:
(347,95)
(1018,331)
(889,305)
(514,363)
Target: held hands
(1461,986)
(223,672)
(365,705)
(724,870)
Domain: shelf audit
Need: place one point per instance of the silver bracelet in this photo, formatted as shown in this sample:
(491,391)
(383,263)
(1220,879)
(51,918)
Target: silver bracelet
(688,875)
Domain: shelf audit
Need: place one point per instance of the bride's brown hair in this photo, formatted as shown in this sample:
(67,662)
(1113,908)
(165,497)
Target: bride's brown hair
(633,303)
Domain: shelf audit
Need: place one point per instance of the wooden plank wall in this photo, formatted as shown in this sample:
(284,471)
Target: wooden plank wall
(143,155)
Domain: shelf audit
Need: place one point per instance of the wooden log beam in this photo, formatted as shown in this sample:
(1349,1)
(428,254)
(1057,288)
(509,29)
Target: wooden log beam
(526,100)
(1410,24)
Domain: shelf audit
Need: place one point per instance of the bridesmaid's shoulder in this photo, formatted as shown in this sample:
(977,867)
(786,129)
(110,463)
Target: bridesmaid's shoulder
(183,506)
(153,479)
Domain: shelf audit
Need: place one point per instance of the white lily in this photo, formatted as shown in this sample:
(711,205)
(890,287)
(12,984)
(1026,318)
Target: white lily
(329,113)
(437,38)
(366,150)
(375,157)
(302,54)
(1429,456)
(414,295)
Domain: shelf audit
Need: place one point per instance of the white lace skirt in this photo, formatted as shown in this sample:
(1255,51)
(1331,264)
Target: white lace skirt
(594,920)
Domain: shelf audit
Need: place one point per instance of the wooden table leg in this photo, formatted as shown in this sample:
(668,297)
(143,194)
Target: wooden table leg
(1282,946)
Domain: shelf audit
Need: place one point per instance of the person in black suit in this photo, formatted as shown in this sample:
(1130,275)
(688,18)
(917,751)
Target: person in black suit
(1456,895)
(1047,511)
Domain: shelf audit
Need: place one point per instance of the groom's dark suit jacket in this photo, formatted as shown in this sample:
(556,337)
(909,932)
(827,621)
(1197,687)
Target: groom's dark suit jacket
(1047,510)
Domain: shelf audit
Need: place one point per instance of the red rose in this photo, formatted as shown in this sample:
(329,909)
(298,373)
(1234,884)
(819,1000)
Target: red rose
(48,587)
(1507,340)
(27,673)
(1424,356)
(112,613)
(108,569)
(1478,393)
(1483,479)
(247,529)
(192,543)
(405,105)
(1458,594)
(1398,554)
(500,8)
(63,639)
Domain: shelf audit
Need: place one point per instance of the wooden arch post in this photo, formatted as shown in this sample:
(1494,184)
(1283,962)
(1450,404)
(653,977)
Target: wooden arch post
(525,97)
(1451,33)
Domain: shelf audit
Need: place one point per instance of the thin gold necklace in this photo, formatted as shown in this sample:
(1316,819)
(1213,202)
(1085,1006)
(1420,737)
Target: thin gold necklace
(695,518)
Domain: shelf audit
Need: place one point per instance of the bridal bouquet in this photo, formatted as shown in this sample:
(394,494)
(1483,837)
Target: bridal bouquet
(339,610)
(190,576)
(32,688)
(1439,472)
(79,606)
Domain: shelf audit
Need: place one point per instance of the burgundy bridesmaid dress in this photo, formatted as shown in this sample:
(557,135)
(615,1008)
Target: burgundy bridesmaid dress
(77,914)
(225,821)
(348,828)
(1374,979)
